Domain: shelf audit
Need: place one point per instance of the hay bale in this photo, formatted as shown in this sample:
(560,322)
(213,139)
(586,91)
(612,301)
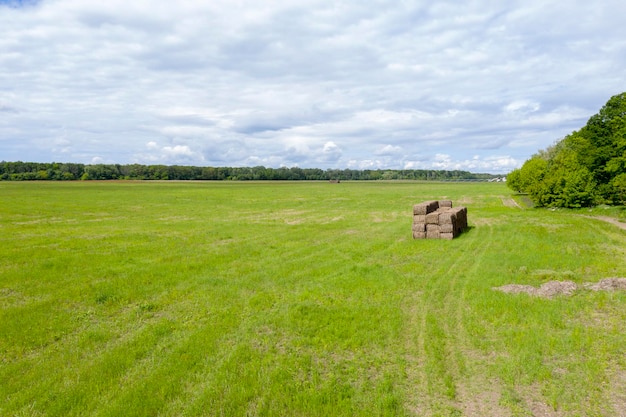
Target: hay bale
(456,210)
(447,217)
(419,218)
(463,220)
(432,218)
(433,234)
(425,207)
(461,217)
(438,220)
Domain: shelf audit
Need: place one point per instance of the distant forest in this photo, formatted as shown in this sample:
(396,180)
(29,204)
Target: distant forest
(36,171)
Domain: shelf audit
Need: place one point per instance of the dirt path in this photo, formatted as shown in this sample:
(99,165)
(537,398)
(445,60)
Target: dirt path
(611,220)
(509,202)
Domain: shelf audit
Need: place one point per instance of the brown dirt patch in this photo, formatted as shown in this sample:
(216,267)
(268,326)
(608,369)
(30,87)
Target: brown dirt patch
(547,290)
(537,406)
(555,288)
(485,402)
(608,284)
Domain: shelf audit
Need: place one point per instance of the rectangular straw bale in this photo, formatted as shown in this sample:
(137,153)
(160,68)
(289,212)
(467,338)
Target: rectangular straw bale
(445,203)
(425,207)
(419,218)
(433,228)
(419,235)
(448,236)
(433,234)
(456,210)
(419,209)
(446,227)
(432,218)
(447,217)
(462,215)
(419,227)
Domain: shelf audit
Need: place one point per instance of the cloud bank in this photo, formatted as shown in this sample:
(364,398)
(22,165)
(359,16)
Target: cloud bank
(478,86)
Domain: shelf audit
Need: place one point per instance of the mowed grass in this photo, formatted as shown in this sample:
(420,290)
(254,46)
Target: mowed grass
(300,299)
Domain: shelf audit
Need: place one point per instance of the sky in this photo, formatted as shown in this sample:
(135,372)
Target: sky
(476,85)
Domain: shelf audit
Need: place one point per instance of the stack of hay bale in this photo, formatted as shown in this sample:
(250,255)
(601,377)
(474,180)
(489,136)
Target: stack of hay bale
(438,220)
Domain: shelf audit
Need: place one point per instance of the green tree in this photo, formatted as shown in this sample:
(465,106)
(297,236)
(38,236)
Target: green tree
(514,180)
(584,168)
(619,184)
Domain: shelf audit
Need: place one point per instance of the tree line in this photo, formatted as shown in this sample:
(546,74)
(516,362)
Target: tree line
(586,168)
(56,171)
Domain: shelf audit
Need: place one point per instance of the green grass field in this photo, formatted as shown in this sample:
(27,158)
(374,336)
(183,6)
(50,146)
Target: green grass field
(301,299)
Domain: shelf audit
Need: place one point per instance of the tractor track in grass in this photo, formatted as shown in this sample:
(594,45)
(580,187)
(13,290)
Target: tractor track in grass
(475,394)
(462,272)
(435,360)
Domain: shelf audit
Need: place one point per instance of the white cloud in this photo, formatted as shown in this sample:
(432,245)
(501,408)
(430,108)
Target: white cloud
(331,152)
(389,150)
(312,83)
(522,106)
(178,150)
(175,154)
(331,147)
